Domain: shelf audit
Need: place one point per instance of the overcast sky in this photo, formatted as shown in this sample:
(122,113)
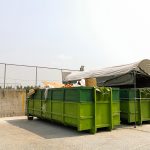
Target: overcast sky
(71,33)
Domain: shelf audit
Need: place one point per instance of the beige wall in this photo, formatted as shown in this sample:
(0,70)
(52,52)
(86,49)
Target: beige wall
(12,102)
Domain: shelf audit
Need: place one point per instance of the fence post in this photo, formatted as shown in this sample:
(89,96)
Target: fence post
(4,75)
(36,76)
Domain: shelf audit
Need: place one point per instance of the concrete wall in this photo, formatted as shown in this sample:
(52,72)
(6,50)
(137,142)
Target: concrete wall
(12,102)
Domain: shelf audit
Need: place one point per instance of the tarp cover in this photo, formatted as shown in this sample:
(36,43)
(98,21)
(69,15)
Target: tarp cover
(117,75)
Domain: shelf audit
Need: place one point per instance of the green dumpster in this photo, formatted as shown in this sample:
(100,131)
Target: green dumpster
(57,104)
(30,105)
(85,108)
(79,107)
(46,103)
(135,109)
(37,103)
(116,106)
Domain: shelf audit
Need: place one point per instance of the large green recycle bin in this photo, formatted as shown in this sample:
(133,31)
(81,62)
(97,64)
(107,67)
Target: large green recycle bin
(135,109)
(86,108)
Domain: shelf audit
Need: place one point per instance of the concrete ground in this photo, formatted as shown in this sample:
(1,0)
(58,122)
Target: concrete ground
(17,133)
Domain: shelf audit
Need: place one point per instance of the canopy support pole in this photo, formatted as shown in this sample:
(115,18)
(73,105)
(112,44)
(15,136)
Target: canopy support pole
(134,73)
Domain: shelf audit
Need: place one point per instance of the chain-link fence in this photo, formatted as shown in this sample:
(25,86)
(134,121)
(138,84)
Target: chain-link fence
(14,75)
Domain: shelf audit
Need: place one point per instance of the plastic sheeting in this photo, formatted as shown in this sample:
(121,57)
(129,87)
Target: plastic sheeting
(117,75)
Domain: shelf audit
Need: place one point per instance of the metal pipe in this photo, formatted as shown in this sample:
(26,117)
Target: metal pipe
(134,73)
(36,76)
(37,66)
(4,76)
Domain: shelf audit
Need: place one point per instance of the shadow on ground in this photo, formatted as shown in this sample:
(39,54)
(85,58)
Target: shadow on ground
(136,127)
(46,129)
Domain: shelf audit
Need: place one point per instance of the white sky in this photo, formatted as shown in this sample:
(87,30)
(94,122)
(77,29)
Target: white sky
(71,33)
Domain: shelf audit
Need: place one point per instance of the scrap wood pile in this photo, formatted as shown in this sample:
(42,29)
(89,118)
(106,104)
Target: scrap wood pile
(47,85)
